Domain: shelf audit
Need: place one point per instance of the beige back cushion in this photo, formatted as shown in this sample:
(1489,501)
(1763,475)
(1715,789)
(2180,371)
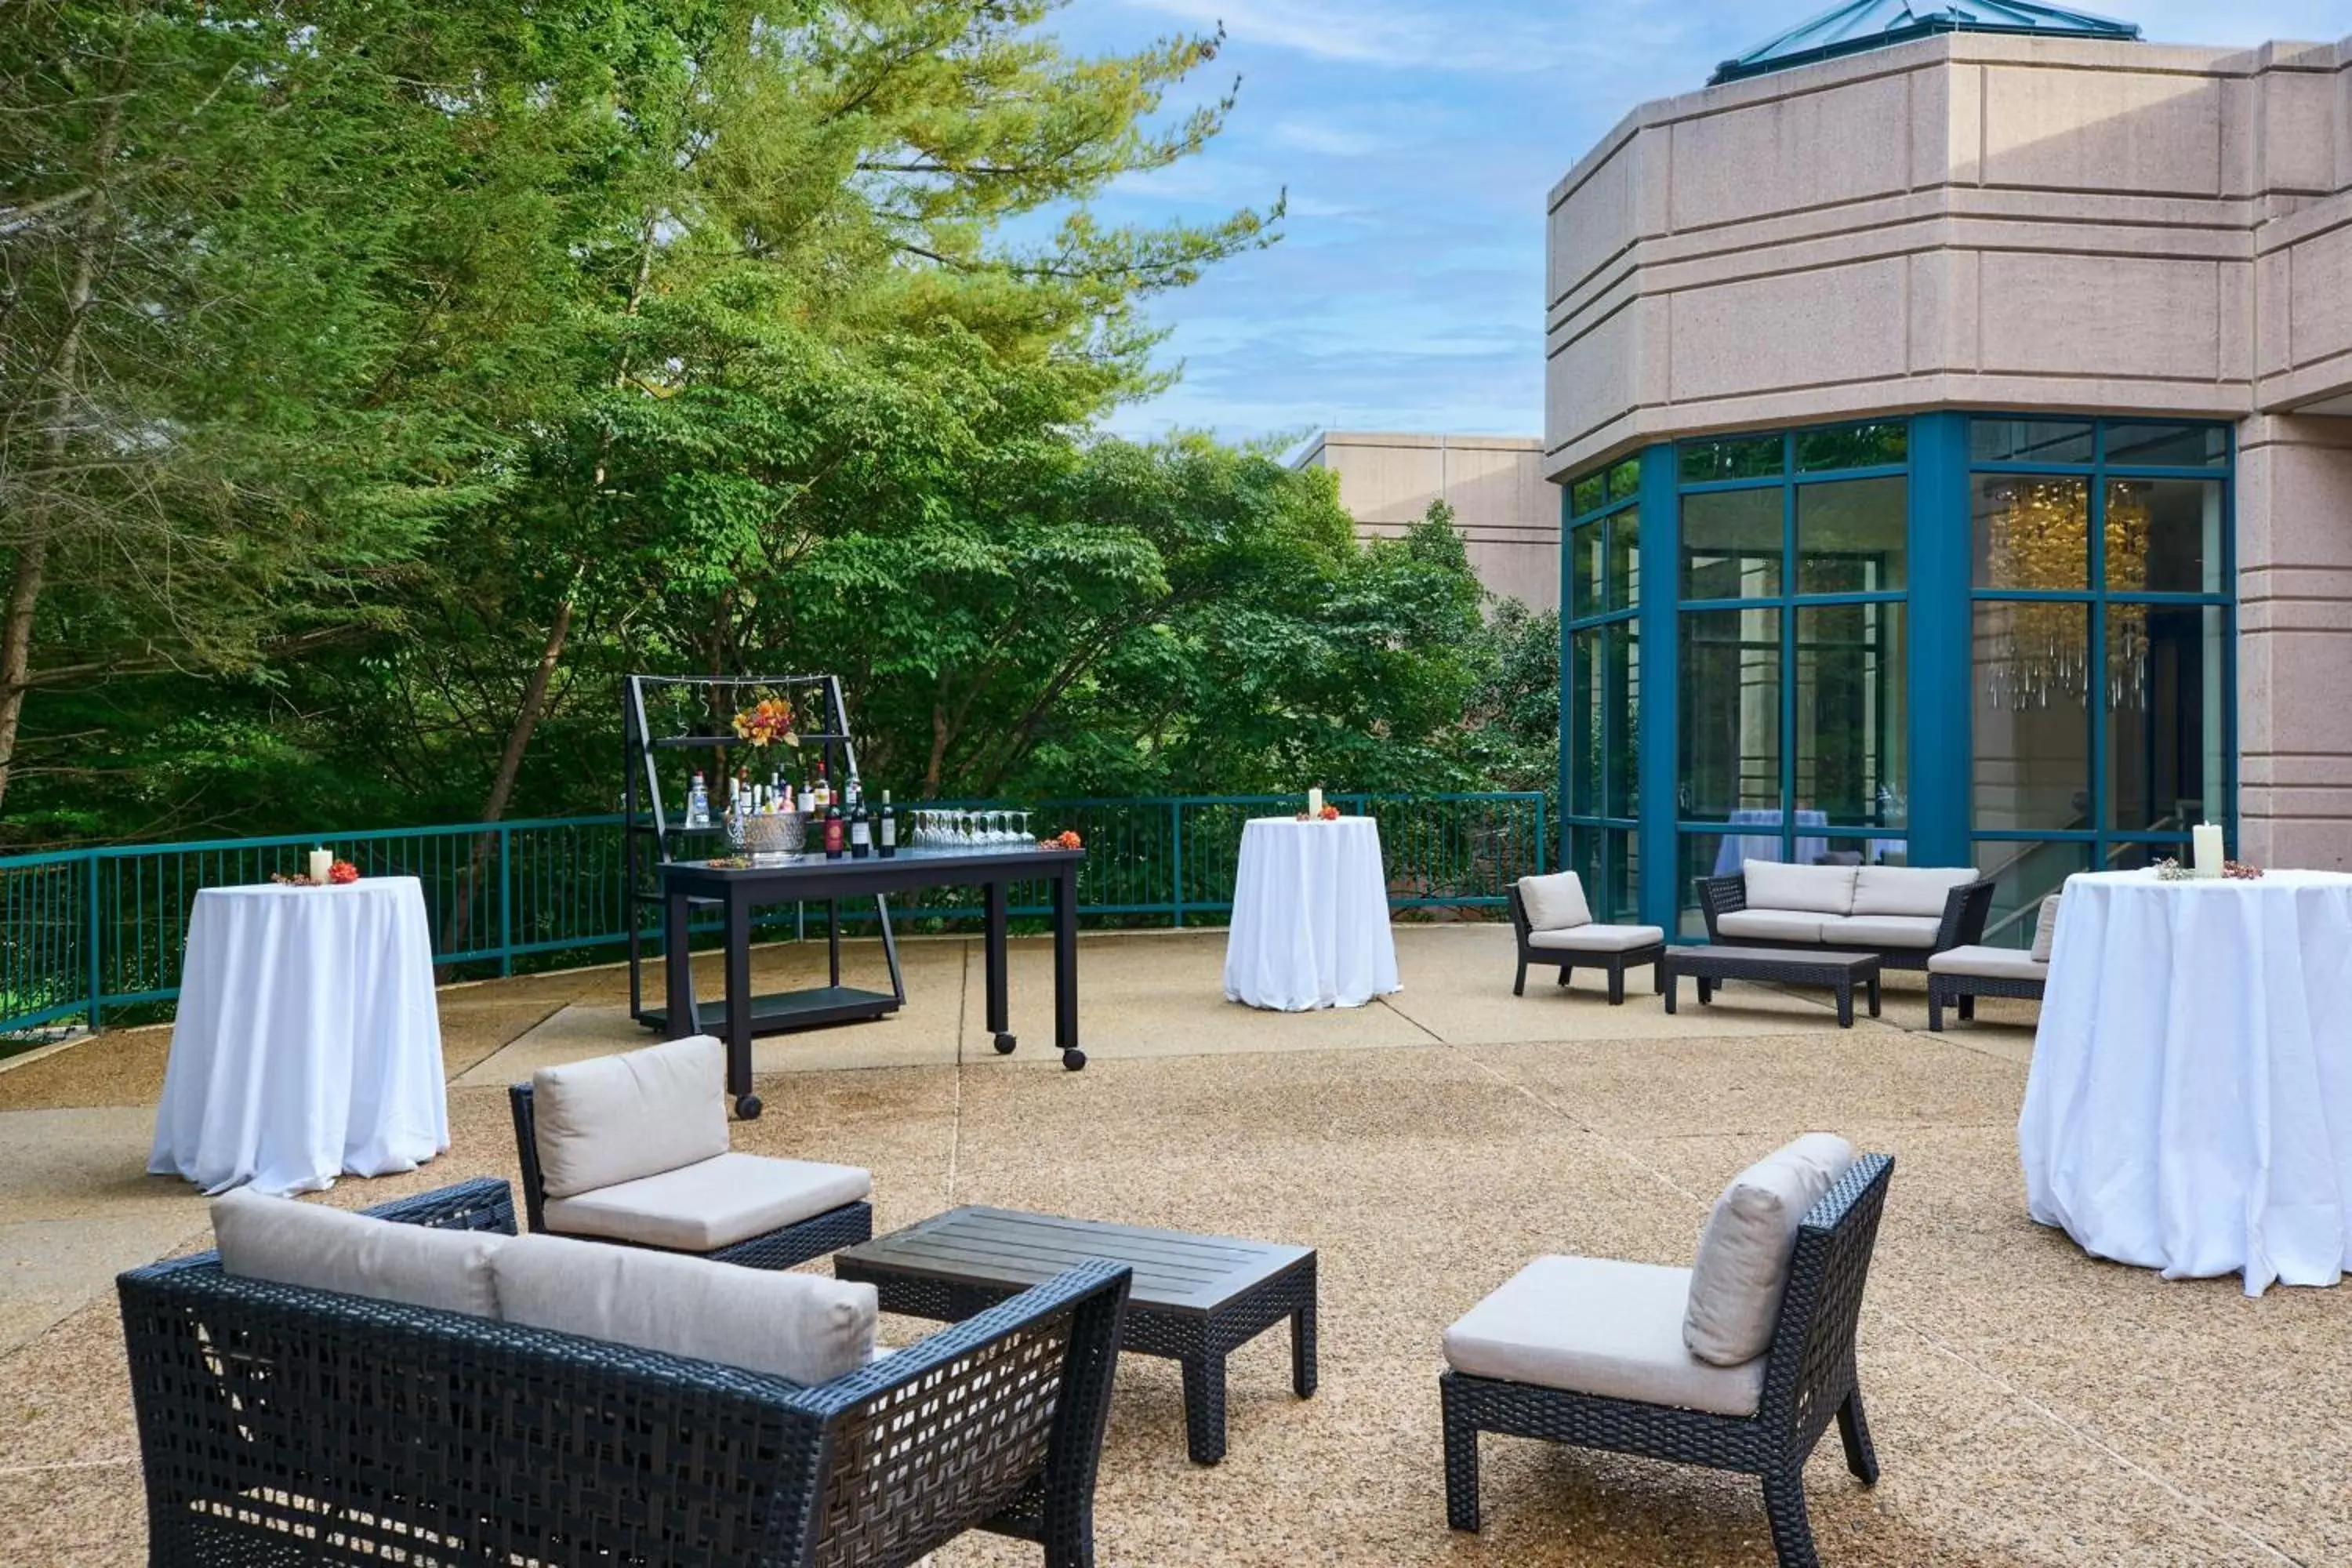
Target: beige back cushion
(1819,889)
(1907,890)
(800,1326)
(324,1248)
(1742,1266)
(2045,930)
(615,1119)
(1555,902)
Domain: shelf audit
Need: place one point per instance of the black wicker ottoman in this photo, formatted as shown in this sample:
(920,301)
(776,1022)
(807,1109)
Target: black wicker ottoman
(1195,1298)
(1778,967)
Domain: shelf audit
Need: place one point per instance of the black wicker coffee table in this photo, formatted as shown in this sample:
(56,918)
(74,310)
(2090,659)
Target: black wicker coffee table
(1195,1298)
(1775,966)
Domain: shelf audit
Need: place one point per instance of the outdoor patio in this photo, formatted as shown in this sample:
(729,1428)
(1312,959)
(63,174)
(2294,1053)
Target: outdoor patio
(2029,1405)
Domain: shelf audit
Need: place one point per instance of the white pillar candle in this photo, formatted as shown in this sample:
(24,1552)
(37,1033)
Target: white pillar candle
(1315,805)
(322,862)
(2206,838)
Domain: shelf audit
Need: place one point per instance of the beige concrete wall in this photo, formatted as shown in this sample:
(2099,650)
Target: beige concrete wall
(2294,648)
(1969,221)
(1507,515)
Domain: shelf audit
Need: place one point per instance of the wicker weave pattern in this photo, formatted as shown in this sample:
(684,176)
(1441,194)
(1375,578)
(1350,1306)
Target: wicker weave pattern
(286,1426)
(1966,909)
(785,1248)
(1961,991)
(1710,966)
(1809,1382)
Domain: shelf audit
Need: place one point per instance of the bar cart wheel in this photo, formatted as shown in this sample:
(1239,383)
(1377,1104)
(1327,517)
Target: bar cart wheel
(1074,1058)
(1005,1043)
(747,1107)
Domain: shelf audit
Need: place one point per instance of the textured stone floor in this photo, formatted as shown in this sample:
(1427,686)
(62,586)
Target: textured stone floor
(2029,1405)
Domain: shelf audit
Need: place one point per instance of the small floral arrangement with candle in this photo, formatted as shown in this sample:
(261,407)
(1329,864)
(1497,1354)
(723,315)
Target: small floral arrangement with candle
(1065,839)
(766,722)
(2171,870)
(2241,870)
(338,873)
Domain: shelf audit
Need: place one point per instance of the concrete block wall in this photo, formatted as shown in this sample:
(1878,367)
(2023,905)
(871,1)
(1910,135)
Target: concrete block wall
(1507,516)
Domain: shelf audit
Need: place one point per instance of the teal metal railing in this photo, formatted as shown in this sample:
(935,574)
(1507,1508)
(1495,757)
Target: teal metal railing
(83,931)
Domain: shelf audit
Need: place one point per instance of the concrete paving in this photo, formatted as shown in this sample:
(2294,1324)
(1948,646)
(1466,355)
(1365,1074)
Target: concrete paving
(2031,1406)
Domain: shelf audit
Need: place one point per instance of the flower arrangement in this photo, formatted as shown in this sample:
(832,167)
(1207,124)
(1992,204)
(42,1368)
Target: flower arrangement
(767,721)
(1065,839)
(341,872)
(2170,870)
(1329,814)
(2241,870)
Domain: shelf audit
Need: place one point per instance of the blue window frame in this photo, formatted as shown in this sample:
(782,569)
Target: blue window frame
(1601,685)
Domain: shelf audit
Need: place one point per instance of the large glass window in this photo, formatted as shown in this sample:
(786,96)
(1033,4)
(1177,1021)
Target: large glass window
(1600,699)
(2101,711)
(1793,699)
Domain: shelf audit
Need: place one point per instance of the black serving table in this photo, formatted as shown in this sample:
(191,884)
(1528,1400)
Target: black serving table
(812,879)
(1195,1299)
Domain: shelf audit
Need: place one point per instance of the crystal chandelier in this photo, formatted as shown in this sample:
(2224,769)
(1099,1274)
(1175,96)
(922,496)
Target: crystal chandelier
(2038,537)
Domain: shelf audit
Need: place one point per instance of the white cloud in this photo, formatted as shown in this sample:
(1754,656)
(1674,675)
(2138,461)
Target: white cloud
(1425,35)
(1324,137)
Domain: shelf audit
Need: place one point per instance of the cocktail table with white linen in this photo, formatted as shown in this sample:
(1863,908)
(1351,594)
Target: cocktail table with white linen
(1310,924)
(307,1043)
(2189,1103)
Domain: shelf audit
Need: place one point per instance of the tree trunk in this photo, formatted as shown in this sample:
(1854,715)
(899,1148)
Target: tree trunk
(33,559)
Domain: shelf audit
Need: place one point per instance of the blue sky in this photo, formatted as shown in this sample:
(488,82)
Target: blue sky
(1417,140)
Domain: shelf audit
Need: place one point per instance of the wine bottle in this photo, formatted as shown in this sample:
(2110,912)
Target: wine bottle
(697,803)
(807,797)
(834,837)
(823,788)
(886,836)
(861,826)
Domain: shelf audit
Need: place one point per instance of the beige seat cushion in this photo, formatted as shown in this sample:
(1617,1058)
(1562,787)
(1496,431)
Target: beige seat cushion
(1597,938)
(800,1326)
(615,1119)
(1742,1266)
(323,1249)
(1554,902)
(710,1204)
(1881,930)
(1907,890)
(1593,1326)
(2045,927)
(1988,963)
(1821,890)
(1770,925)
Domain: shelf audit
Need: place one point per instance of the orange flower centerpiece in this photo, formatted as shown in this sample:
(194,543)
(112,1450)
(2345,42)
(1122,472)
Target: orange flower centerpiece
(1330,813)
(1065,839)
(343,871)
(766,722)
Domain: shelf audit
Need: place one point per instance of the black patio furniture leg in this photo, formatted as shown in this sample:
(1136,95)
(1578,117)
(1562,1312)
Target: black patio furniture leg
(1845,1004)
(1859,1457)
(1792,1531)
(1669,983)
(992,942)
(1616,986)
(1519,983)
(1302,1345)
(1935,1008)
(1967,1008)
(1065,968)
(1874,995)
(738,1006)
(678,966)
(1461,1461)
(1658,975)
(1705,991)
(1567,972)
(1204,1406)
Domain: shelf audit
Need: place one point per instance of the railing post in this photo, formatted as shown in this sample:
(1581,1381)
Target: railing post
(91,940)
(1176,841)
(506,899)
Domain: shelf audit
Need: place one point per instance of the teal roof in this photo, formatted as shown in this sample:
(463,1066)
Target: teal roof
(1861,25)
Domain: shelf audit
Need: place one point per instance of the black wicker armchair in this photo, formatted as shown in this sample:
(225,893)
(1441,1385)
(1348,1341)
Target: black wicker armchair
(281,1425)
(1962,923)
(784,1248)
(1642,945)
(1809,1381)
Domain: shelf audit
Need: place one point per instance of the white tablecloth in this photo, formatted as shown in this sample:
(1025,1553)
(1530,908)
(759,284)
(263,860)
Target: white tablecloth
(1310,916)
(2189,1104)
(307,1043)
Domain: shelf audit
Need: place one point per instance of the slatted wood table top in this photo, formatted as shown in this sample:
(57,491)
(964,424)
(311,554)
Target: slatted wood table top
(1176,1271)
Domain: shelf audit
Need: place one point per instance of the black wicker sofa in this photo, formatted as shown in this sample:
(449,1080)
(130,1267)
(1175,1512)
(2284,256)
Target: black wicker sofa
(285,1426)
(1904,914)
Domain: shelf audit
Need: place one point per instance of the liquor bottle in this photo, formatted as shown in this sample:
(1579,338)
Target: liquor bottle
(861,826)
(807,797)
(886,836)
(823,788)
(698,804)
(834,837)
(776,785)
